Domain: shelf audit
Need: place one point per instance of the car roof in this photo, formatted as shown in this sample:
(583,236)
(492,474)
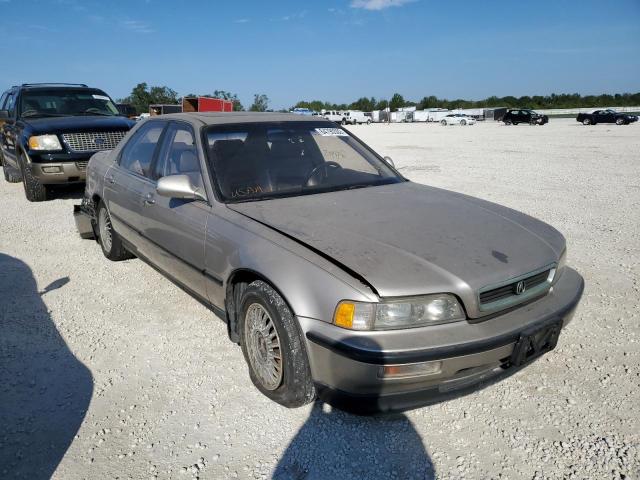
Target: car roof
(220,118)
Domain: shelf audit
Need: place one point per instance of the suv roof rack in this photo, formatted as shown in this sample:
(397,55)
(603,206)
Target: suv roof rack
(50,83)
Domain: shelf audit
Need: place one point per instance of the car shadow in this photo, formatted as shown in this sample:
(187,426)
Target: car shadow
(65,192)
(44,389)
(335,444)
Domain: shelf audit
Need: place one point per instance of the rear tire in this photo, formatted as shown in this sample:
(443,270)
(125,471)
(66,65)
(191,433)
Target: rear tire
(273,347)
(33,189)
(11,175)
(463,122)
(444,123)
(586,121)
(109,240)
(507,122)
(368,122)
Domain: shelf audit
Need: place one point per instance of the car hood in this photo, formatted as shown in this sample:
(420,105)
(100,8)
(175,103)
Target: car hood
(411,239)
(78,124)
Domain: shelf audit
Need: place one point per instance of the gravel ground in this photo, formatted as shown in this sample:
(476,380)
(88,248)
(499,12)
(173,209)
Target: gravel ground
(107,370)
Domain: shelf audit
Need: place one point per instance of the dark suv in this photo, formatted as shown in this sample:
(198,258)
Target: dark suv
(49,131)
(514,116)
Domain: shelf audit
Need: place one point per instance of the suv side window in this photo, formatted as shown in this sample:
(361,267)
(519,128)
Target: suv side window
(10,104)
(138,153)
(2,99)
(179,155)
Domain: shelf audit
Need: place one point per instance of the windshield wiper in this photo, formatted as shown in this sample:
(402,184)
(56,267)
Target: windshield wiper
(101,114)
(44,114)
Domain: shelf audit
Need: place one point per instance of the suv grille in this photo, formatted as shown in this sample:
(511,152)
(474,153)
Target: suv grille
(507,294)
(92,141)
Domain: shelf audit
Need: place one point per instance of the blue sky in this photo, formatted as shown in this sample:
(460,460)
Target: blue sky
(332,50)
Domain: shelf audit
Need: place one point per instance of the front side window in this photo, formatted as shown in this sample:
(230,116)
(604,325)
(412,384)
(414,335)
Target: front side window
(66,102)
(10,104)
(180,157)
(137,154)
(276,159)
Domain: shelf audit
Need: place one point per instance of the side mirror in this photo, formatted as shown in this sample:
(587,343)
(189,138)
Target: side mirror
(4,115)
(179,186)
(389,161)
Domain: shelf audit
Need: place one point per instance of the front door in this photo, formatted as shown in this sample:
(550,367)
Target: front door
(174,227)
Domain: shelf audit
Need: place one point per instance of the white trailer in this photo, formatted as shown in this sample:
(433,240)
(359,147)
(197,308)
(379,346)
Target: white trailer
(421,116)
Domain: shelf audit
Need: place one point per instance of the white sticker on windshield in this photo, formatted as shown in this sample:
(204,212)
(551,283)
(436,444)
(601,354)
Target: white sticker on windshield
(332,132)
(100,97)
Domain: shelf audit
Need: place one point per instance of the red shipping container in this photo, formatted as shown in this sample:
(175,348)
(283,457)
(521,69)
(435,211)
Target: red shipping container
(206,104)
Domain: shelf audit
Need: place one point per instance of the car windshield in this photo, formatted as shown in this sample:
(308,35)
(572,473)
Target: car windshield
(66,102)
(257,161)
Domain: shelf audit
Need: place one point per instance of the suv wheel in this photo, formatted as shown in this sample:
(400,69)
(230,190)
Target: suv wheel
(344,121)
(586,121)
(507,122)
(369,121)
(273,348)
(444,122)
(33,189)
(463,122)
(11,175)
(109,239)
(619,121)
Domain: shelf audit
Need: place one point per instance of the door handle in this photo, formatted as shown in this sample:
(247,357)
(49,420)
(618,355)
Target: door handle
(111,179)
(148,199)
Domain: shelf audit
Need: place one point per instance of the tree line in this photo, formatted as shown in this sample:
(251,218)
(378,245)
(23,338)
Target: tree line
(143,95)
(563,100)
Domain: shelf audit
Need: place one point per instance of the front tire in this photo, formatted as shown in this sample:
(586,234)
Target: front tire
(33,189)
(109,240)
(463,122)
(619,121)
(444,123)
(368,122)
(273,347)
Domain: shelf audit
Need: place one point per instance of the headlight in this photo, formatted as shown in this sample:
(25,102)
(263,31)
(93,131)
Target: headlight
(44,142)
(405,313)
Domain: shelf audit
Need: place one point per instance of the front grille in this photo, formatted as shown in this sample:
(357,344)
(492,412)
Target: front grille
(82,166)
(92,141)
(509,291)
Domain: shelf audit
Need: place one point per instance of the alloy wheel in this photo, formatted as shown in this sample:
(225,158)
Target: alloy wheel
(263,346)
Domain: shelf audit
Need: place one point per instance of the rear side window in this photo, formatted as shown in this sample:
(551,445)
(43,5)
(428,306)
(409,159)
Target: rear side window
(138,153)
(2,99)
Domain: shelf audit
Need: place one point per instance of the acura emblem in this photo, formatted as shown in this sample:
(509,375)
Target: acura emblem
(99,141)
(520,287)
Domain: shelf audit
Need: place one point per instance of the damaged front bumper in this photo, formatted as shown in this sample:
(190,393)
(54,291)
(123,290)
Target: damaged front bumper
(85,217)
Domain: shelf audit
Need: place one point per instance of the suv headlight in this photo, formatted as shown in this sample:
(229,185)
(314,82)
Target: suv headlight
(44,142)
(398,314)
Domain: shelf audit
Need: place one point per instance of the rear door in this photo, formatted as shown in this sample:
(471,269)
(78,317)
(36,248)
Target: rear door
(9,129)
(129,184)
(176,228)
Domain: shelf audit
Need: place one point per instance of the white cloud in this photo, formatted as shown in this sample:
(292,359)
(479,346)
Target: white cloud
(137,26)
(378,4)
(242,20)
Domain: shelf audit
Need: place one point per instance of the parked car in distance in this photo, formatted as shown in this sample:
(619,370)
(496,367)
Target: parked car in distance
(457,119)
(49,131)
(606,116)
(338,277)
(355,117)
(333,115)
(514,116)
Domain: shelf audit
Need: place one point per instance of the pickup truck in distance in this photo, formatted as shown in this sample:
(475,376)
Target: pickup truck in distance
(49,131)
(606,116)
